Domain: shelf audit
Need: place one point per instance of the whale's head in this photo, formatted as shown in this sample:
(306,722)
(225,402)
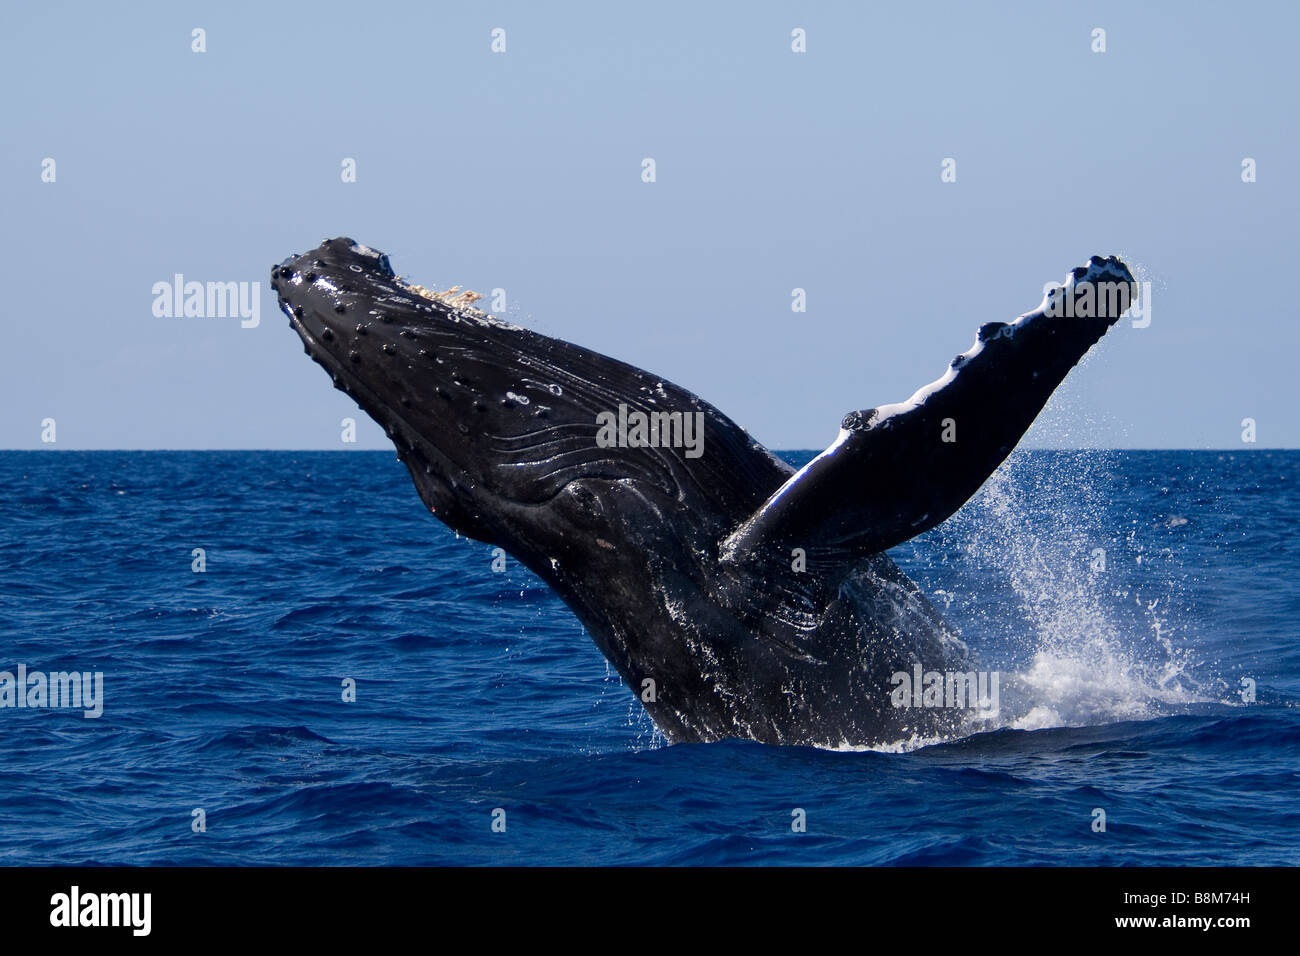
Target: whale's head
(498,425)
(412,358)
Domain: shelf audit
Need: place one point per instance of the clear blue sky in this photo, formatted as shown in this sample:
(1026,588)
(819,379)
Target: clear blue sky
(775,170)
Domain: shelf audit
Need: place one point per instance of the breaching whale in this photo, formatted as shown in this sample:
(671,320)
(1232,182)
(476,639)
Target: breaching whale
(736,596)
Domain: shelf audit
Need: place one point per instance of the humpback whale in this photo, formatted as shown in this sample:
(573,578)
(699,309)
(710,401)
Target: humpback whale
(736,596)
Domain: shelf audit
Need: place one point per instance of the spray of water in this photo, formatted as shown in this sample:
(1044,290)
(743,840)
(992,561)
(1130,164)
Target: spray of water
(1072,617)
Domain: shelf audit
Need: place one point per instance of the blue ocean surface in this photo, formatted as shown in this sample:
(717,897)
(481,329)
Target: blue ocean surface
(1147,602)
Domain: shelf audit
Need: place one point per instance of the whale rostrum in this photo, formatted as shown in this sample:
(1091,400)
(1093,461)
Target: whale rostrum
(736,596)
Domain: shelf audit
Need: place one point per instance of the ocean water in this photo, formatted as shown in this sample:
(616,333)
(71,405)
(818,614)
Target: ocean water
(1138,596)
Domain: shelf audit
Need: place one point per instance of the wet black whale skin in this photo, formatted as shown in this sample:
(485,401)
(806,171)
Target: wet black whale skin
(682,569)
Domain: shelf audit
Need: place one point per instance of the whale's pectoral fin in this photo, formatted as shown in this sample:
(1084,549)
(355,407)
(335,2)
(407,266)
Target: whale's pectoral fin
(899,470)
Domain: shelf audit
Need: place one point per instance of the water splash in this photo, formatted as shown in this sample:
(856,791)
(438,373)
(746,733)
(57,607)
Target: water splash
(1080,627)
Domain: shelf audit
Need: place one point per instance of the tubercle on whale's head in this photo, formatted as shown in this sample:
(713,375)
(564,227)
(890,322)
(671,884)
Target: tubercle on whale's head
(405,355)
(341,272)
(361,322)
(316,291)
(334,294)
